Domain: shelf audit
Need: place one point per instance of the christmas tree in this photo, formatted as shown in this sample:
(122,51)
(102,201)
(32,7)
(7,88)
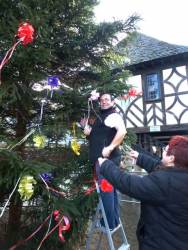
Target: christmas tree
(44,90)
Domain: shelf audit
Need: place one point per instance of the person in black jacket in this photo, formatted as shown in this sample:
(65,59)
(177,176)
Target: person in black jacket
(163,194)
(104,136)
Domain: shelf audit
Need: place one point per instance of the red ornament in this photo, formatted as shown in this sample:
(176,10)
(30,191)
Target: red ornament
(106,186)
(25,33)
(132,92)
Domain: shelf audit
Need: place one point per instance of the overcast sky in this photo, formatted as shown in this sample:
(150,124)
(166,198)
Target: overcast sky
(165,20)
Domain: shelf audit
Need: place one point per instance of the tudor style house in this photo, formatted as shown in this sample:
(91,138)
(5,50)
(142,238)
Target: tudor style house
(160,71)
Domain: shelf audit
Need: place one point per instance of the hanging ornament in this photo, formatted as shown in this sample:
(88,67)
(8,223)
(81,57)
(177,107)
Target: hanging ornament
(94,95)
(47,176)
(132,92)
(74,143)
(53,81)
(25,33)
(75,146)
(26,187)
(39,141)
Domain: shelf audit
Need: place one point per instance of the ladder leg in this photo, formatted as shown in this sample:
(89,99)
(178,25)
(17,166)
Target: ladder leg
(100,214)
(123,233)
(109,236)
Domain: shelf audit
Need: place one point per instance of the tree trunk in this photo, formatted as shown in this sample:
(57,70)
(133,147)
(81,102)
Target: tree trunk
(14,222)
(15,208)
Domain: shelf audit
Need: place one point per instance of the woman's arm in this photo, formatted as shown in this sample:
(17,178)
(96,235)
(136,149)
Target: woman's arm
(147,162)
(150,188)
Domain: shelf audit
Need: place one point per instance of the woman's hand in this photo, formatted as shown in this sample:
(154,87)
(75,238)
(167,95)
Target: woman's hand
(134,154)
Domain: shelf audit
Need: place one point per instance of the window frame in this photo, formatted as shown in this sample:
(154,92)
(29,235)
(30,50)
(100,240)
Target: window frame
(159,88)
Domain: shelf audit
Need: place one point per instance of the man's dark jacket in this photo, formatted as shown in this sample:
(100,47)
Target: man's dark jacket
(163,193)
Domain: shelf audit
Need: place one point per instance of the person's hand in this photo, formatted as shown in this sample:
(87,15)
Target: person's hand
(134,154)
(83,122)
(87,130)
(107,151)
(101,160)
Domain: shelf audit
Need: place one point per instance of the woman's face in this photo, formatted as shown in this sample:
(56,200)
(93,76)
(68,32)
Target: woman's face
(167,160)
(106,101)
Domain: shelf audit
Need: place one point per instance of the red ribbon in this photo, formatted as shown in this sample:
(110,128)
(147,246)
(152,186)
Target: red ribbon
(29,237)
(7,56)
(63,223)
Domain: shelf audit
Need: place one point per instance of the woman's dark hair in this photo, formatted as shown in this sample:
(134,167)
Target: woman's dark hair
(178,146)
(103,93)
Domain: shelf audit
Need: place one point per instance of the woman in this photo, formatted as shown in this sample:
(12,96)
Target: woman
(163,194)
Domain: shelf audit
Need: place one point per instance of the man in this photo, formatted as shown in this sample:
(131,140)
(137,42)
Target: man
(105,135)
(163,194)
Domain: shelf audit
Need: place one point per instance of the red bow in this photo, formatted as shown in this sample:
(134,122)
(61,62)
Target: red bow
(25,33)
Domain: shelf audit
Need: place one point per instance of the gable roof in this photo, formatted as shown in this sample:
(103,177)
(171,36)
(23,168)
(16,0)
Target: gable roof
(142,48)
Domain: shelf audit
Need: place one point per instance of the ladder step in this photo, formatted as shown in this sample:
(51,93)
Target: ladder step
(115,229)
(104,230)
(124,247)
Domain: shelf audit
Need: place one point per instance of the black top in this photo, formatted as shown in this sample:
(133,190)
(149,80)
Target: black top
(101,136)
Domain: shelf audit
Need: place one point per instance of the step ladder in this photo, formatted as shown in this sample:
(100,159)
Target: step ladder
(96,226)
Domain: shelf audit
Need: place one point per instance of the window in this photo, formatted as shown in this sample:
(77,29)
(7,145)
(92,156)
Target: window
(152,87)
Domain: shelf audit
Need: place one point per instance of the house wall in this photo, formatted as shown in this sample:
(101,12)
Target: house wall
(171,110)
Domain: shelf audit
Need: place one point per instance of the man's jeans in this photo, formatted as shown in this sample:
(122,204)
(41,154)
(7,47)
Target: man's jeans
(110,203)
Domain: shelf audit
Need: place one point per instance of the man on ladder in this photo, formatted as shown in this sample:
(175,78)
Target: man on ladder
(105,135)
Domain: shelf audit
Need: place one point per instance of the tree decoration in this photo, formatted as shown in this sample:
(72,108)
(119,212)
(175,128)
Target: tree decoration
(26,187)
(39,140)
(47,177)
(74,143)
(64,224)
(53,81)
(94,95)
(75,146)
(25,33)
(132,92)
